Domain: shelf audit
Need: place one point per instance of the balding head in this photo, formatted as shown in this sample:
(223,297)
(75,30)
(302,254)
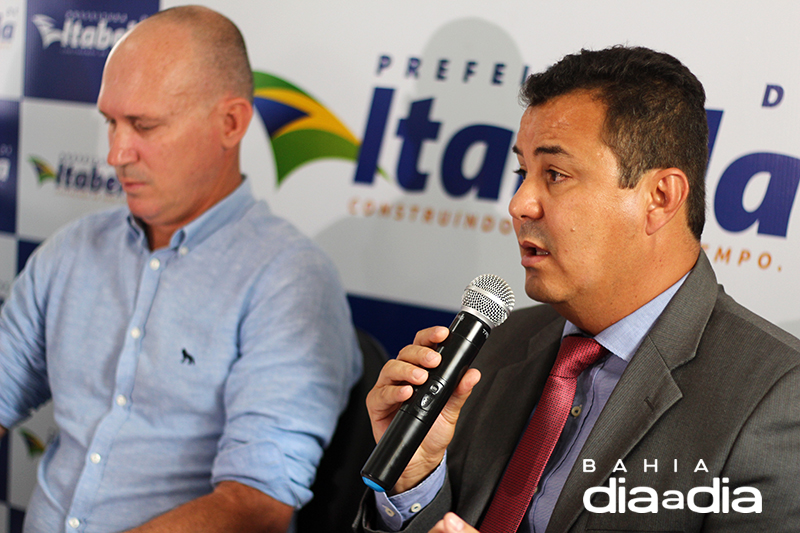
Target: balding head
(177,95)
(210,44)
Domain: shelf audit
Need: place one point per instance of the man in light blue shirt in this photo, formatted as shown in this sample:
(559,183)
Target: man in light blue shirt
(197,349)
(695,408)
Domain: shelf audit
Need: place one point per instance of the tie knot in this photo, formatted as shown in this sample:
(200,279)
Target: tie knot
(575,355)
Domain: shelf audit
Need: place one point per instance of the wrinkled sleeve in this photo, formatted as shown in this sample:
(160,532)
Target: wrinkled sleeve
(298,361)
(394,511)
(23,370)
(367,520)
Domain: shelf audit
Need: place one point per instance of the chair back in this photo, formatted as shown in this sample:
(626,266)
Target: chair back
(338,487)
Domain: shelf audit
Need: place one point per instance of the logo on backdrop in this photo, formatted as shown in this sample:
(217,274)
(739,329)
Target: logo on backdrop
(70,40)
(300,129)
(445,153)
(75,38)
(78,175)
(8,26)
(9,142)
(439,129)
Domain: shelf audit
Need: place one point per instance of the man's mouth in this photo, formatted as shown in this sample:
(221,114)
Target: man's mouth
(532,249)
(532,255)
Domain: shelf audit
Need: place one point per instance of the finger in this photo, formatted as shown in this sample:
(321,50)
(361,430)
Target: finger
(438,527)
(431,336)
(433,447)
(420,356)
(453,406)
(397,372)
(452,523)
(394,386)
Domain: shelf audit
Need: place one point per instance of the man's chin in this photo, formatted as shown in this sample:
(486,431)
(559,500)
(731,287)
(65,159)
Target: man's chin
(539,292)
(140,211)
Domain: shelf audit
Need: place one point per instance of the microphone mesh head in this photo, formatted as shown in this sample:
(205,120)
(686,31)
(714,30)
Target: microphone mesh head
(490,298)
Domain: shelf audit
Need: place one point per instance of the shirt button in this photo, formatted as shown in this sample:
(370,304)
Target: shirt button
(154,264)
(388,511)
(183,250)
(121,400)
(136,333)
(73,522)
(416,508)
(95,458)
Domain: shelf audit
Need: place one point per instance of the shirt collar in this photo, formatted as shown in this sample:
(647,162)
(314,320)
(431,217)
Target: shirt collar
(229,208)
(624,337)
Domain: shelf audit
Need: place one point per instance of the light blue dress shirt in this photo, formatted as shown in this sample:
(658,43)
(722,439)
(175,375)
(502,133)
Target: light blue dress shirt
(593,389)
(227,355)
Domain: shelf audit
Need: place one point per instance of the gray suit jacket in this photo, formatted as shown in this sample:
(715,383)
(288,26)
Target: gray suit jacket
(711,382)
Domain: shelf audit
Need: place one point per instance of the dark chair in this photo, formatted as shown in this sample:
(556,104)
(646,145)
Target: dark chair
(338,487)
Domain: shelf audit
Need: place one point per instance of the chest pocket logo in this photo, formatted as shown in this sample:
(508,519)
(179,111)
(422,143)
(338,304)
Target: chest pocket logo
(188,359)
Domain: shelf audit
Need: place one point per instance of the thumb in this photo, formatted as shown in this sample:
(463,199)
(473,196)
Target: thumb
(453,406)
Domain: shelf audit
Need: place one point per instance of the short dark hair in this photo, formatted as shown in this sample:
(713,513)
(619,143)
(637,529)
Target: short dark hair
(655,112)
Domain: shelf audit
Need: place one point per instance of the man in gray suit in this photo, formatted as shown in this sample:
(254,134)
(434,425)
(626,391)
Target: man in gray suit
(690,419)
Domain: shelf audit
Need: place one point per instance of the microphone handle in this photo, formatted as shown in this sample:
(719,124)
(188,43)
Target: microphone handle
(415,418)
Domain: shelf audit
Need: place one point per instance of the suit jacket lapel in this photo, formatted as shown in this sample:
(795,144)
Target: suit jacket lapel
(645,391)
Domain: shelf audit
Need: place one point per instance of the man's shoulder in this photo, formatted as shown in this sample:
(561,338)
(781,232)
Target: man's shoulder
(262,238)
(733,324)
(739,351)
(89,228)
(264,230)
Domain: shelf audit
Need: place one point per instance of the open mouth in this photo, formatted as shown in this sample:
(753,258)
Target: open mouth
(533,250)
(537,251)
(532,255)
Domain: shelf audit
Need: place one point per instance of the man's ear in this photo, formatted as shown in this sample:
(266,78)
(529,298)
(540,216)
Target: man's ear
(668,190)
(237,113)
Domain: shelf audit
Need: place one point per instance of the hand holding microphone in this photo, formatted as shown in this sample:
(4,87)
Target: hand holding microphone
(486,303)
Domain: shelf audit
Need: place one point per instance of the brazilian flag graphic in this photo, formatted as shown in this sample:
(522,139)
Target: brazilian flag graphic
(300,128)
(42,168)
(32,441)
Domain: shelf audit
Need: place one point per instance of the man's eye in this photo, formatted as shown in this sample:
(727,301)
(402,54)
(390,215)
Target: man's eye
(521,172)
(555,176)
(144,126)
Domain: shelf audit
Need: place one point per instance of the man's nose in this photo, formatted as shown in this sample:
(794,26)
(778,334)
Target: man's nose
(121,151)
(526,202)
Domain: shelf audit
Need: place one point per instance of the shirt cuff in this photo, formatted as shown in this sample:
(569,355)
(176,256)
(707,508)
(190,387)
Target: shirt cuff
(396,510)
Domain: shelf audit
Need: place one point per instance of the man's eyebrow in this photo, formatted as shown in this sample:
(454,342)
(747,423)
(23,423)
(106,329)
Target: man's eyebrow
(551,149)
(130,118)
(547,149)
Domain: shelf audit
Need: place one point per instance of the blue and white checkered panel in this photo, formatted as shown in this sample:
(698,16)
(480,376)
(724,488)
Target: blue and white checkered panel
(12,18)
(11,516)
(8,263)
(51,59)
(4,512)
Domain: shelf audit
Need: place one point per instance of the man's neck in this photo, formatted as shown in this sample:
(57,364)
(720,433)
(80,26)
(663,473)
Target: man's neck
(595,316)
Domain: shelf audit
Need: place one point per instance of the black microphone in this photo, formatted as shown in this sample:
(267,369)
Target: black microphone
(486,303)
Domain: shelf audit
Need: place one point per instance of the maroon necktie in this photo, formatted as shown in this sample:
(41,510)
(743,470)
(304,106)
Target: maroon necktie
(516,489)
